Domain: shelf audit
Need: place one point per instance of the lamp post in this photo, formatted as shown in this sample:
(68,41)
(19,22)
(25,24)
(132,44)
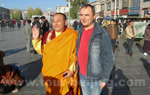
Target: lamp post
(49,11)
(69,1)
(115,9)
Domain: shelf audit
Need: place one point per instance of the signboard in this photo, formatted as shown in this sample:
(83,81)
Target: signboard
(101,13)
(134,11)
(113,12)
(123,11)
(140,29)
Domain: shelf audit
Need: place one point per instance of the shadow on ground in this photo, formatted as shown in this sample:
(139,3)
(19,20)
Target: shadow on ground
(139,47)
(117,84)
(31,70)
(13,51)
(146,65)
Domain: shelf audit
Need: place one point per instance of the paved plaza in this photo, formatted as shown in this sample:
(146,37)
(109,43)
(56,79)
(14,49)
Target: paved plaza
(131,75)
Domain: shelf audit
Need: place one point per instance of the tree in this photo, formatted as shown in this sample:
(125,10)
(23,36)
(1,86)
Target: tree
(75,7)
(30,12)
(37,11)
(18,15)
(12,14)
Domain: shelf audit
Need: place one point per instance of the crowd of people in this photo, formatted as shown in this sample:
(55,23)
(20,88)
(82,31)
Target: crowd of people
(78,62)
(4,23)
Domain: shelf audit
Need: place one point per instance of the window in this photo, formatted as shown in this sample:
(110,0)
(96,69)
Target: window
(117,4)
(108,6)
(102,7)
(135,3)
(125,4)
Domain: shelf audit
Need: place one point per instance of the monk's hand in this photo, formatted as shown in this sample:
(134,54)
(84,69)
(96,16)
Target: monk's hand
(103,85)
(68,74)
(35,32)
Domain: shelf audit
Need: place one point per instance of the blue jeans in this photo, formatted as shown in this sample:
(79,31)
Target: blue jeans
(130,44)
(89,88)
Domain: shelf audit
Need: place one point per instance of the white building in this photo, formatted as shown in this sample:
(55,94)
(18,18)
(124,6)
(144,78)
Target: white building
(96,5)
(145,8)
(62,9)
(24,13)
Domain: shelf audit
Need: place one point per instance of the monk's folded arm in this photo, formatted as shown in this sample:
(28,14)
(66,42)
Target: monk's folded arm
(37,44)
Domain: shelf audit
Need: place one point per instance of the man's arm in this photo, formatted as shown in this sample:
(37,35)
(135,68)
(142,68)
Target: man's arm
(107,56)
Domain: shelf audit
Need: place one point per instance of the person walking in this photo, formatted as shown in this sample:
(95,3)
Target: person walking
(28,34)
(146,46)
(94,53)
(45,25)
(58,48)
(75,24)
(19,23)
(130,35)
(113,32)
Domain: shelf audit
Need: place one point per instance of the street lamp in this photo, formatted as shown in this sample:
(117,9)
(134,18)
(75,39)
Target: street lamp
(69,2)
(49,11)
(115,10)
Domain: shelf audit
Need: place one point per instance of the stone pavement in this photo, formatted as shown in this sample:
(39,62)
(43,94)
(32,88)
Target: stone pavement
(131,75)
(13,43)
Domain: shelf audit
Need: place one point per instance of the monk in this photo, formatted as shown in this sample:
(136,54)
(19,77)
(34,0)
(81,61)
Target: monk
(58,48)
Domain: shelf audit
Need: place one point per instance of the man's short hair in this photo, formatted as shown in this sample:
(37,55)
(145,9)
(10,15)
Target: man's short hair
(36,18)
(29,21)
(64,16)
(88,5)
(42,17)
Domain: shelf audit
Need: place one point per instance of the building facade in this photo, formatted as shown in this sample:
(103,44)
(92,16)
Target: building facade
(124,8)
(62,9)
(24,13)
(4,13)
(145,11)
(96,5)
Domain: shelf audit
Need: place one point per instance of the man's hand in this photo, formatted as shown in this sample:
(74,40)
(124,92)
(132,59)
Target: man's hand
(68,74)
(103,85)
(35,32)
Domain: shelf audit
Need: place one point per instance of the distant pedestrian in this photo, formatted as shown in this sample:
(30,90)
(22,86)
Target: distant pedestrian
(45,25)
(146,46)
(75,24)
(19,23)
(24,22)
(130,35)
(28,34)
(113,32)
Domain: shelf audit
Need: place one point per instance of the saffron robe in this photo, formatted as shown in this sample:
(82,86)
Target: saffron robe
(58,56)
